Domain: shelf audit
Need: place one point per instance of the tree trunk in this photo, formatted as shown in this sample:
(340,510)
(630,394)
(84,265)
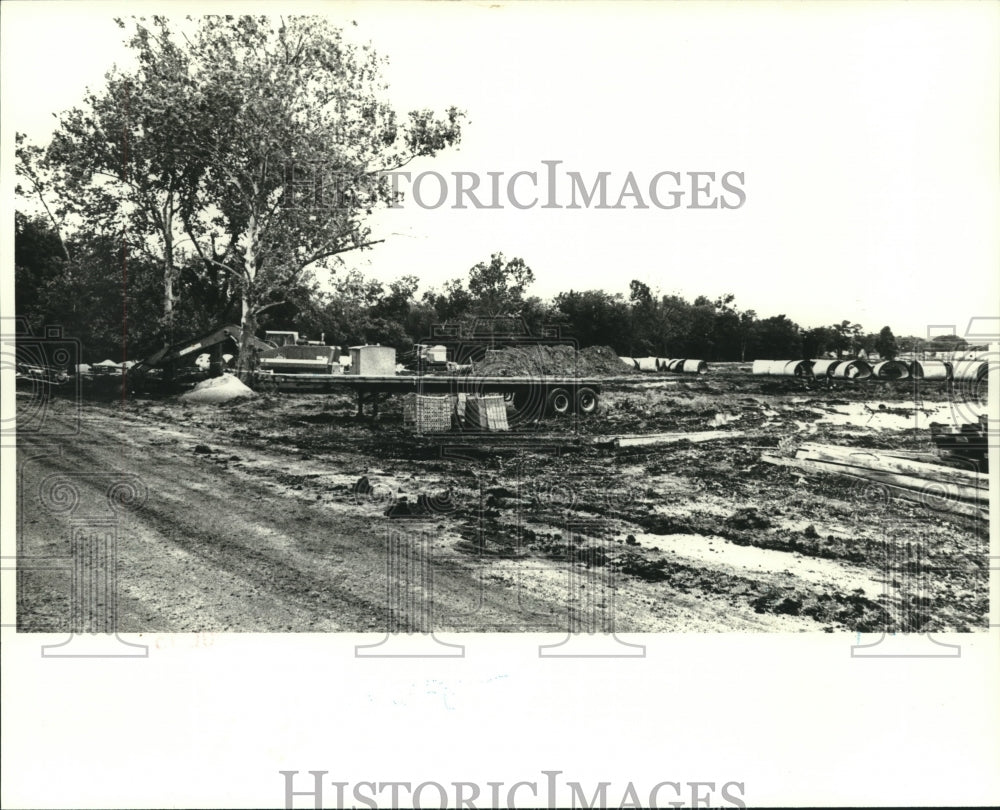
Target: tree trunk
(247,362)
(168,301)
(248,319)
(168,272)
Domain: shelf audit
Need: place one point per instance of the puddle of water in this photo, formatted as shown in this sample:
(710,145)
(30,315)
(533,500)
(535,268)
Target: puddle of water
(719,551)
(864,415)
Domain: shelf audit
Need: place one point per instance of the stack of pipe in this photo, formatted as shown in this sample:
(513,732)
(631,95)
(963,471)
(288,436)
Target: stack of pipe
(936,487)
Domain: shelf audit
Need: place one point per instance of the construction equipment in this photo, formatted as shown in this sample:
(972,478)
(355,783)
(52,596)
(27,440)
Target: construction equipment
(173,364)
(292,339)
(308,359)
(425,358)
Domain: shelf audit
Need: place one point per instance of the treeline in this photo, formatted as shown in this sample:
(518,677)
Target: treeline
(195,190)
(111,300)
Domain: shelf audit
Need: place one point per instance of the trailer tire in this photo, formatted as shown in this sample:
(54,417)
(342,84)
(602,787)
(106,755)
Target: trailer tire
(586,401)
(559,402)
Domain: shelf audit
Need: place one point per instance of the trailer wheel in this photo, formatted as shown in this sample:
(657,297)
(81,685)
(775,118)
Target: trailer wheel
(586,401)
(559,401)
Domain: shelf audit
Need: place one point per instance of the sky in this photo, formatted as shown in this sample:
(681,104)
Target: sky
(866,136)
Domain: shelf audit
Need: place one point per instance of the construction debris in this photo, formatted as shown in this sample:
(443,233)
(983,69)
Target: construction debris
(666,438)
(969,443)
(937,487)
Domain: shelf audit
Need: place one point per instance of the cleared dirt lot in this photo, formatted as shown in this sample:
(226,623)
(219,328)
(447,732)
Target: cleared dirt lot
(253,518)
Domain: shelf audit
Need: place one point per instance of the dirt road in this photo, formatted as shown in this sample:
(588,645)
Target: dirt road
(251,517)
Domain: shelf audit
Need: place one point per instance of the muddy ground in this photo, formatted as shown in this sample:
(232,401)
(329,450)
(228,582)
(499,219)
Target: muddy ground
(289,513)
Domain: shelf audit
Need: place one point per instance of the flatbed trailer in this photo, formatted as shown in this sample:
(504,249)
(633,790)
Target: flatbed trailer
(542,395)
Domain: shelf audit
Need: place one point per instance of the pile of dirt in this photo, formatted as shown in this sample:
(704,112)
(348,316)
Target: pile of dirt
(526,361)
(218,390)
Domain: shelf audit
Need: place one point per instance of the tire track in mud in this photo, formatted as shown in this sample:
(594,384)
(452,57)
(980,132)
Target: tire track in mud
(212,549)
(285,525)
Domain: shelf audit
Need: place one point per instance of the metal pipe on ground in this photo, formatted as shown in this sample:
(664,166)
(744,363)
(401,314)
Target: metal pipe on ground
(891,370)
(646,363)
(695,367)
(931,370)
(675,365)
(662,363)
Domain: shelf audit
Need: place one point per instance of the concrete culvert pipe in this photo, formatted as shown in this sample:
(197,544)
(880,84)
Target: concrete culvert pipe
(771,368)
(646,363)
(794,368)
(891,370)
(824,368)
(628,361)
(695,367)
(675,365)
(970,370)
(931,370)
(853,370)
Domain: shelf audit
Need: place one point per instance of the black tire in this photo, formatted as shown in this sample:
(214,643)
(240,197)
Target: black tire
(586,401)
(559,402)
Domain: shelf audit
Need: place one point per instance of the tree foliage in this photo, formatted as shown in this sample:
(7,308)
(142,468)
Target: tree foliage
(226,175)
(251,153)
(86,296)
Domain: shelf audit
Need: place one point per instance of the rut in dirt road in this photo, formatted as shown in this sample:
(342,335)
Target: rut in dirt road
(206,551)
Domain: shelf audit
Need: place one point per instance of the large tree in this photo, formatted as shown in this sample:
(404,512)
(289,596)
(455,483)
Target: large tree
(122,163)
(261,145)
